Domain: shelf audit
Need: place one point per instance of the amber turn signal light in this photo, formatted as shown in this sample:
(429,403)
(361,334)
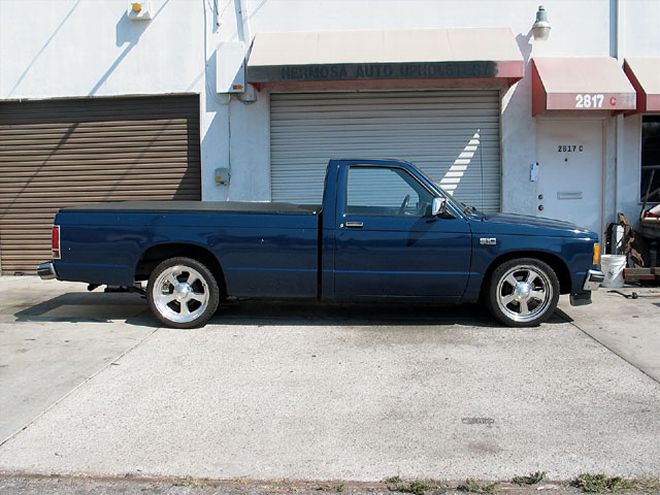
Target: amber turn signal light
(596,257)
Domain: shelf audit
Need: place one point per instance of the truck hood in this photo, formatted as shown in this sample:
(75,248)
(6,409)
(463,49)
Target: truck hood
(512,223)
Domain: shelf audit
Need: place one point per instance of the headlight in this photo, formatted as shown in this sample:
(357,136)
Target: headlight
(596,257)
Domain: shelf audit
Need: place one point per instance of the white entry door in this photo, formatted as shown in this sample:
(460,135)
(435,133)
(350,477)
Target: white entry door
(570,157)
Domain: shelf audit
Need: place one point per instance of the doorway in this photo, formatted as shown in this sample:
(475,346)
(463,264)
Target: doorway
(570,156)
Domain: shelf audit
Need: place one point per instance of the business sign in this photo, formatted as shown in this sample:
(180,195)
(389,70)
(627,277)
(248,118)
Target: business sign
(347,72)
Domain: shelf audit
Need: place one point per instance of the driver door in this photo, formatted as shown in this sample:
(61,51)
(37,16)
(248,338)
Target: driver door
(387,244)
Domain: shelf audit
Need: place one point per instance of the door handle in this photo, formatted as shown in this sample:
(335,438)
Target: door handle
(354,225)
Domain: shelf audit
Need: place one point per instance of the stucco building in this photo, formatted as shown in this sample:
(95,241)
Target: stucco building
(248,99)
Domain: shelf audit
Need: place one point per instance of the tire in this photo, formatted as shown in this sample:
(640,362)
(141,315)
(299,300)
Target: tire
(523,292)
(182,293)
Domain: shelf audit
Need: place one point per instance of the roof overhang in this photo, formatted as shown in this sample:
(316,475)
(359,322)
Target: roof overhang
(644,74)
(415,54)
(581,85)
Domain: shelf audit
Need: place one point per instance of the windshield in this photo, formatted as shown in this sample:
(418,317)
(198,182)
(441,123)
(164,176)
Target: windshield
(464,208)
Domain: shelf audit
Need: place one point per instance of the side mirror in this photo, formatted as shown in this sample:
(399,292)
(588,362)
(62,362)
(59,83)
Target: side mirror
(439,207)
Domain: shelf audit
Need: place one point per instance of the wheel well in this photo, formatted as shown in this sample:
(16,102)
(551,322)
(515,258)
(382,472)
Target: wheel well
(555,262)
(156,254)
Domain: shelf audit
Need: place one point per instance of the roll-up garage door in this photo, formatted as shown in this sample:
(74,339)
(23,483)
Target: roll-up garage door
(453,136)
(66,152)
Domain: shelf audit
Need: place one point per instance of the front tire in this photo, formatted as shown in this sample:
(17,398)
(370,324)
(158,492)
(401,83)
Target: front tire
(523,292)
(182,293)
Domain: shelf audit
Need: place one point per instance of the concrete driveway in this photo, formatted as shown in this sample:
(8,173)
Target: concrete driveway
(90,386)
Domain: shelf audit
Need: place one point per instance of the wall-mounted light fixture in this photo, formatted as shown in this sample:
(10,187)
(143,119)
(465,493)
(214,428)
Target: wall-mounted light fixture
(541,28)
(139,10)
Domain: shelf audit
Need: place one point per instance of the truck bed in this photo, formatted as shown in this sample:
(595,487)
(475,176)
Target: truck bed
(198,206)
(266,249)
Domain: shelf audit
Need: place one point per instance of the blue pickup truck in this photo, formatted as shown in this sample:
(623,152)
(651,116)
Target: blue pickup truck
(384,232)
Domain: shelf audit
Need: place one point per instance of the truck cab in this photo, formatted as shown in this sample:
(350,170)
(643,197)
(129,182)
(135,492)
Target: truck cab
(387,239)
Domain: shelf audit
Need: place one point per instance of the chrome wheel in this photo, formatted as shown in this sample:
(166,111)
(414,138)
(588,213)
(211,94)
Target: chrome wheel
(180,294)
(524,293)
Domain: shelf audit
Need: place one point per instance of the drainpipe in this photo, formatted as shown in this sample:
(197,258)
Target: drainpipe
(620,52)
(244,35)
(616,50)
(243,21)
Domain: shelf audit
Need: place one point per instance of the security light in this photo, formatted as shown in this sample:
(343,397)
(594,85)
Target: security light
(541,28)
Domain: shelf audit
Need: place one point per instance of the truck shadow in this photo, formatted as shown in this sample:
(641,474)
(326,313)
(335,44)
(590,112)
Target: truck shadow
(90,307)
(97,307)
(358,314)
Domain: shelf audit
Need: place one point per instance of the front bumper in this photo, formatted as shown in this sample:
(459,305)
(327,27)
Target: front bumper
(46,271)
(593,280)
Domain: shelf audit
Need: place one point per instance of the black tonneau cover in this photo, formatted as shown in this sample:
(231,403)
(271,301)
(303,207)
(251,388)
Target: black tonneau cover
(201,206)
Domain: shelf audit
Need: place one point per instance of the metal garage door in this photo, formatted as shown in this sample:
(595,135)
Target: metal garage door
(65,152)
(454,136)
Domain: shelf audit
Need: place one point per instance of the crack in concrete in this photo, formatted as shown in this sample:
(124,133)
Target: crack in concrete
(598,341)
(111,362)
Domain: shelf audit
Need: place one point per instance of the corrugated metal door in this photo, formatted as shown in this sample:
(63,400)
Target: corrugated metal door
(66,152)
(453,136)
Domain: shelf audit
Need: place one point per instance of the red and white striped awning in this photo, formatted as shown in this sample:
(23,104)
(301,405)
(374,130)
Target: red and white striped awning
(580,84)
(644,74)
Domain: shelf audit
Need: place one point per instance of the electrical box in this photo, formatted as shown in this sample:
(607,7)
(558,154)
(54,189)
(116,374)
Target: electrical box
(230,67)
(222,176)
(139,10)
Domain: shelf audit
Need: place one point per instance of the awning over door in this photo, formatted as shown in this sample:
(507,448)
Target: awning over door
(378,55)
(580,84)
(644,74)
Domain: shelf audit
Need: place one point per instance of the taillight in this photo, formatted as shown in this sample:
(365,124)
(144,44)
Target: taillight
(55,242)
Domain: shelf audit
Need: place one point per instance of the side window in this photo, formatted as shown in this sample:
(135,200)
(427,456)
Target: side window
(650,157)
(385,191)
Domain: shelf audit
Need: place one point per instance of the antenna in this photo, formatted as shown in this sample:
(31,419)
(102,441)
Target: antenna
(481,166)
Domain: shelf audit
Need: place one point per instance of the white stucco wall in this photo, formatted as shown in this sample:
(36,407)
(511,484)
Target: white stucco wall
(61,48)
(640,21)
(640,37)
(76,48)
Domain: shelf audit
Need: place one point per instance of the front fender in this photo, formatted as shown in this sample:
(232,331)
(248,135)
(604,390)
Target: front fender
(575,253)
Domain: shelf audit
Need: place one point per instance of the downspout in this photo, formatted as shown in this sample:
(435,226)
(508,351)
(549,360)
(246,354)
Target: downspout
(243,21)
(610,202)
(616,50)
(244,35)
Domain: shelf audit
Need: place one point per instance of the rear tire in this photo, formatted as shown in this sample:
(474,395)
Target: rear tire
(182,293)
(523,292)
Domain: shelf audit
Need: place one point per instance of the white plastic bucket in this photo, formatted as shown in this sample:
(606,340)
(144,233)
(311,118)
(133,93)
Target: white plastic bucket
(612,266)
